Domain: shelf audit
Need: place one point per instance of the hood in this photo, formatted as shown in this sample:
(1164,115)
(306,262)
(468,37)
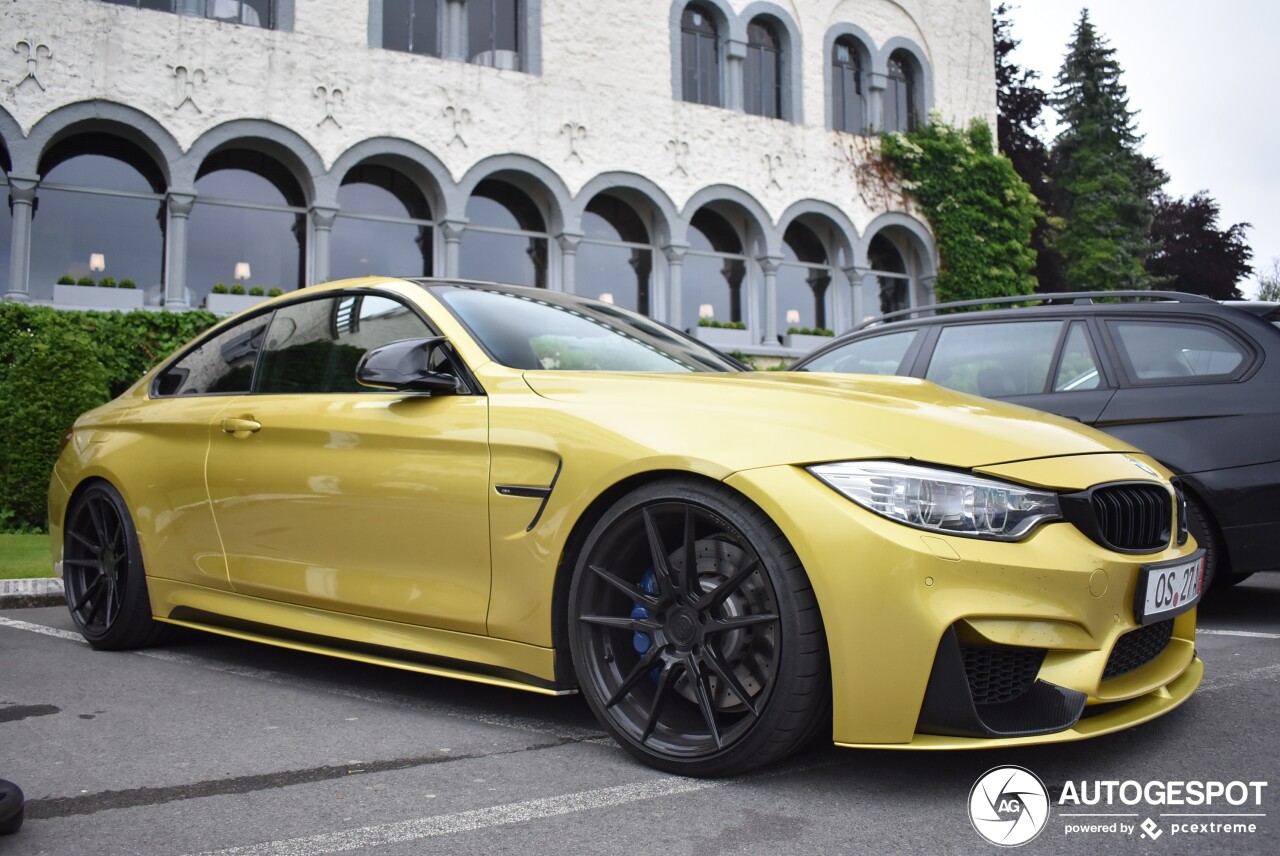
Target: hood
(755,419)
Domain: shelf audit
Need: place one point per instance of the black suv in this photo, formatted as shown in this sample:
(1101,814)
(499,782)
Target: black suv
(1193,382)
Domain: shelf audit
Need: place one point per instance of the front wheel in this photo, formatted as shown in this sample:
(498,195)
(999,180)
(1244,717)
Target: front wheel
(105,583)
(696,637)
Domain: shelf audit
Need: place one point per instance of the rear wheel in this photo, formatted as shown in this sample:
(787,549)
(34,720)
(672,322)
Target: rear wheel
(105,584)
(695,635)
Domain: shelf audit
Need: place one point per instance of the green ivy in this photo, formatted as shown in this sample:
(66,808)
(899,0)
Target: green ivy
(56,365)
(981,212)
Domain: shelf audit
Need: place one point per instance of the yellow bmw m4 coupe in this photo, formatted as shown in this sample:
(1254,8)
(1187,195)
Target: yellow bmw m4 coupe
(542,492)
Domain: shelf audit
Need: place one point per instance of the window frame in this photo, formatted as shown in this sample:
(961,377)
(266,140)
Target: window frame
(1119,356)
(280,13)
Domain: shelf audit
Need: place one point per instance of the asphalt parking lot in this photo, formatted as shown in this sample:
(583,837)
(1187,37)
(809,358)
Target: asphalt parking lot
(212,745)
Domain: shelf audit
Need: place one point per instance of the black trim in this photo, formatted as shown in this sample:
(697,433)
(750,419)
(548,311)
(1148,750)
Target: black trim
(212,619)
(521,491)
(1079,510)
(949,707)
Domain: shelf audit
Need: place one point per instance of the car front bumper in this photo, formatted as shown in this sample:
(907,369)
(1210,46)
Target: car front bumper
(892,595)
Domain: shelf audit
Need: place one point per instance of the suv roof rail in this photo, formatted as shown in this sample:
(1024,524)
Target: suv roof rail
(1040,299)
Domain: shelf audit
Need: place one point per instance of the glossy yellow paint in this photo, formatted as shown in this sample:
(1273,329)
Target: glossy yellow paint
(390,531)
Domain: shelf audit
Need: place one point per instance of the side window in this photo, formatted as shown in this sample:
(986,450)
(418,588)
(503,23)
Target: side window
(314,346)
(1078,368)
(1163,350)
(995,360)
(221,365)
(875,355)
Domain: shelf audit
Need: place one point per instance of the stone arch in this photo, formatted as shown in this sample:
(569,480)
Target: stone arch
(101,116)
(287,146)
(631,188)
(867,54)
(423,167)
(540,182)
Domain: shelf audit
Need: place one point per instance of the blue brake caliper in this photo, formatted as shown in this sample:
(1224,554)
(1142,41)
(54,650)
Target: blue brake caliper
(642,642)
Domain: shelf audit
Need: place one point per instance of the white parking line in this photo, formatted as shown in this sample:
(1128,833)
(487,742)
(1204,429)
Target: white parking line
(40,628)
(1246,634)
(469,821)
(517,723)
(1213,683)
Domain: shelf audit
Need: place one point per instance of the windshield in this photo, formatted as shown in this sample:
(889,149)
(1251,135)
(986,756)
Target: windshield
(529,329)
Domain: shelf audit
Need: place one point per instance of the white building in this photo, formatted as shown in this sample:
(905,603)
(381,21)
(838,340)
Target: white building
(687,158)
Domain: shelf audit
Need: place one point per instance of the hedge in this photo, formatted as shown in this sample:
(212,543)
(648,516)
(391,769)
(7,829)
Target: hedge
(56,365)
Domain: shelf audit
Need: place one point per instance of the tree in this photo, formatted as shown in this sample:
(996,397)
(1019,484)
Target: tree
(1192,254)
(1104,184)
(1018,125)
(980,210)
(1269,282)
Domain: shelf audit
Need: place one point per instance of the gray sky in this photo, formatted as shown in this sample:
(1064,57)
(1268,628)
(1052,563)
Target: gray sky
(1203,78)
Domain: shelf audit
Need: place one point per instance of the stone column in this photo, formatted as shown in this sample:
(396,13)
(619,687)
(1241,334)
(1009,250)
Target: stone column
(178,208)
(857,281)
(927,293)
(769,266)
(876,84)
(675,283)
(569,242)
(322,229)
(735,55)
(22,196)
(453,37)
(452,231)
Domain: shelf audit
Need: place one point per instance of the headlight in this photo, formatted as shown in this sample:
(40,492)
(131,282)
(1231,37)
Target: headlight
(940,500)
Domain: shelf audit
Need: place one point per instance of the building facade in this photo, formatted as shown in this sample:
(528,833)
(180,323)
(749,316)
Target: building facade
(692,159)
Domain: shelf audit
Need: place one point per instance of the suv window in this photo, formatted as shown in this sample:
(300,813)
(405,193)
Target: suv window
(1078,368)
(221,365)
(995,360)
(315,345)
(876,355)
(1160,350)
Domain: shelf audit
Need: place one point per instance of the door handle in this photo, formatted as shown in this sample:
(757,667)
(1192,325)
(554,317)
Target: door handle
(240,427)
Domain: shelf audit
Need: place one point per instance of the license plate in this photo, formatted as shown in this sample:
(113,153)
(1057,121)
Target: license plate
(1169,588)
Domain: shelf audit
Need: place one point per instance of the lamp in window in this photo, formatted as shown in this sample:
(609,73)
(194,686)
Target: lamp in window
(97,262)
(242,271)
(793,316)
(607,297)
(706,310)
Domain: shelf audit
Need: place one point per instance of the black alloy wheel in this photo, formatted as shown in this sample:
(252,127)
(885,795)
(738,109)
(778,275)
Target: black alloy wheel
(696,637)
(102,572)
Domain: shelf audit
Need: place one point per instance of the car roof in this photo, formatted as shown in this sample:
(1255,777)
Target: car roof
(1032,305)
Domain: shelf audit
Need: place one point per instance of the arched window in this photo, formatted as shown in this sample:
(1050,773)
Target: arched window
(715,270)
(762,86)
(99,212)
(848,109)
(383,225)
(899,94)
(493,33)
(890,271)
(506,237)
(615,259)
(253,13)
(804,281)
(248,225)
(699,57)
(412,26)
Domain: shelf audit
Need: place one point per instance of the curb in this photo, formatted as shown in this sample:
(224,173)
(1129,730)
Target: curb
(28,593)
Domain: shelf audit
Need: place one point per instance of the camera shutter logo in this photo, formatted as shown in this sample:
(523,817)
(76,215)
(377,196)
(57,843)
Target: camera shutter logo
(1008,806)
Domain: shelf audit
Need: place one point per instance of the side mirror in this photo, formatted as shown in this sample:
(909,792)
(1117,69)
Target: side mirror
(405,366)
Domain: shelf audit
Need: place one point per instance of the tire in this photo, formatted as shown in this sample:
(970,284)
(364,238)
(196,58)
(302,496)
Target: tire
(12,808)
(707,674)
(103,576)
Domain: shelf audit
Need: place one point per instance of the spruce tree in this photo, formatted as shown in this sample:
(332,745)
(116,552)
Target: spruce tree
(1104,184)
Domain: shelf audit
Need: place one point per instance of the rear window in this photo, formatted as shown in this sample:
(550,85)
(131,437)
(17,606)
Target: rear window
(1166,350)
